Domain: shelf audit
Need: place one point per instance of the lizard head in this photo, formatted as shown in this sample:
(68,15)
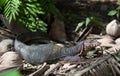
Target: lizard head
(87,45)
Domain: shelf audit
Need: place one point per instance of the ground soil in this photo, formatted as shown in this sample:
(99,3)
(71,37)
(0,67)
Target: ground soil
(75,12)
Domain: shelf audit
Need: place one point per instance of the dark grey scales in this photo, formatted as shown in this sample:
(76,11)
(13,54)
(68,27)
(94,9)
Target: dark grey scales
(36,54)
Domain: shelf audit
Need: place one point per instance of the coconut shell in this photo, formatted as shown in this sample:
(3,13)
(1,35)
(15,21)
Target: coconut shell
(6,45)
(113,28)
(117,41)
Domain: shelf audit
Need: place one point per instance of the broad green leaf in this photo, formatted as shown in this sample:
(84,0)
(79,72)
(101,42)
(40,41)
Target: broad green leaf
(79,26)
(112,13)
(87,21)
(118,3)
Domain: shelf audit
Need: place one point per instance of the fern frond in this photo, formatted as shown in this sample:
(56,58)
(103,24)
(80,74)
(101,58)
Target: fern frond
(3,2)
(29,10)
(11,8)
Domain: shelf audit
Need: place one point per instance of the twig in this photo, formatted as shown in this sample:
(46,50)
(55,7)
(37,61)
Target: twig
(7,31)
(70,67)
(49,71)
(40,71)
(116,68)
(117,63)
(112,68)
(8,36)
(84,34)
(79,73)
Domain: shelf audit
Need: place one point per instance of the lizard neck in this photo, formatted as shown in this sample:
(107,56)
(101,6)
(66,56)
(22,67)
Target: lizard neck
(18,45)
(72,50)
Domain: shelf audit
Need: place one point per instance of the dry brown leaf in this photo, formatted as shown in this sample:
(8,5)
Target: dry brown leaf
(10,59)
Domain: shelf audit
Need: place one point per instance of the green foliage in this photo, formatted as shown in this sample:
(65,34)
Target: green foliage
(10,8)
(28,11)
(91,54)
(86,23)
(115,11)
(28,15)
(112,13)
(11,73)
(79,26)
(88,20)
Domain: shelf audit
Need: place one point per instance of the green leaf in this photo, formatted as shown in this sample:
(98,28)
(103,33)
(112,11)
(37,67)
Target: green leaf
(91,54)
(3,2)
(10,73)
(79,26)
(118,8)
(31,11)
(87,21)
(112,13)
(118,3)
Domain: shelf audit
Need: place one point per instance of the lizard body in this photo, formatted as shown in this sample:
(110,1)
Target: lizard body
(36,54)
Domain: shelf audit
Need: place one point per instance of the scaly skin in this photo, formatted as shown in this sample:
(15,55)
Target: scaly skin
(36,54)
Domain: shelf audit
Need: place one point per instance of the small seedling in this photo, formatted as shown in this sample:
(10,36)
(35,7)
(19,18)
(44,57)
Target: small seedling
(81,24)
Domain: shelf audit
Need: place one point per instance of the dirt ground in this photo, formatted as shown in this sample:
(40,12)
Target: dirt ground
(75,11)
